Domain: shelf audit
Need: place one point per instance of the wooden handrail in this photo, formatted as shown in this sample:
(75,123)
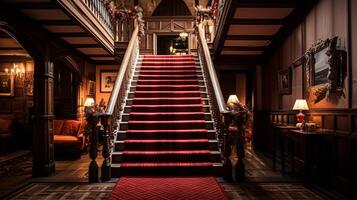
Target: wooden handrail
(122,71)
(211,70)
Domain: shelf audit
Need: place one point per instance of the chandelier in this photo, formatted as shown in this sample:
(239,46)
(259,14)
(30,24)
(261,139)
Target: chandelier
(15,71)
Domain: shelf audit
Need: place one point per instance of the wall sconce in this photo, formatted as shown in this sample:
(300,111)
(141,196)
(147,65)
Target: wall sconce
(300,104)
(232,102)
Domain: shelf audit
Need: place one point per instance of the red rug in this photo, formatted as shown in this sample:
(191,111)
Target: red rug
(171,188)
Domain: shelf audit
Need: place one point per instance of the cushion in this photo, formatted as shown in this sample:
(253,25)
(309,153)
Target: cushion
(67,143)
(57,126)
(70,127)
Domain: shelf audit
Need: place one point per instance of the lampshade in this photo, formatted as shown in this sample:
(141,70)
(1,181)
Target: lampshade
(89,102)
(232,101)
(300,104)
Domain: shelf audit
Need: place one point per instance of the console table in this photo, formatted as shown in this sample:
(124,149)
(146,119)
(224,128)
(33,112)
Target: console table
(280,133)
(310,141)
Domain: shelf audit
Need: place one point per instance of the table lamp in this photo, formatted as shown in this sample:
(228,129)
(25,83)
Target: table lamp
(232,101)
(300,104)
(89,102)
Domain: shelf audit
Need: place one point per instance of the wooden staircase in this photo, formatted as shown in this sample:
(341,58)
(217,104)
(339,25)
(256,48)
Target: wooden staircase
(166,126)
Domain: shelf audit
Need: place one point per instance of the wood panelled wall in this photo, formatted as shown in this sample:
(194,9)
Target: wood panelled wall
(327,19)
(166,26)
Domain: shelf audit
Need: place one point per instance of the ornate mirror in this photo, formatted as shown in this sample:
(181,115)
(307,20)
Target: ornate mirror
(325,70)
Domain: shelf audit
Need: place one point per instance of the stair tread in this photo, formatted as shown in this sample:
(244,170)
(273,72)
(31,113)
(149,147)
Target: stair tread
(164,152)
(169,130)
(167,121)
(167,92)
(171,75)
(166,113)
(168,164)
(169,98)
(165,140)
(170,105)
(165,127)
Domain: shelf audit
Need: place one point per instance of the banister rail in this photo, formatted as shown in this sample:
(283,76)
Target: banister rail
(94,17)
(123,68)
(99,9)
(106,124)
(212,72)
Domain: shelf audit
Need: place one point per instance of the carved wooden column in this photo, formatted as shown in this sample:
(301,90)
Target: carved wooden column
(106,173)
(43,154)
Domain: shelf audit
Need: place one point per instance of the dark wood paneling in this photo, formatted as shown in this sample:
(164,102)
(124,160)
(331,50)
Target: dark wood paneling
(337,155)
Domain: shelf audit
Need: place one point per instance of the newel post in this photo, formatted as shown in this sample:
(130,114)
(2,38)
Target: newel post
(92,131)
(240,143)
(227,164)
(105,132)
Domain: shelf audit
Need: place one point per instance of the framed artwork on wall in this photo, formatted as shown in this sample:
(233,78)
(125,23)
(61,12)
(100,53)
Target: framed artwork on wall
(107,80)
(6,85)
(325,71)
(284,81)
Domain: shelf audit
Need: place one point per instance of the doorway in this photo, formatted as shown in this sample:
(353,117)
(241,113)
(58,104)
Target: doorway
(172,45)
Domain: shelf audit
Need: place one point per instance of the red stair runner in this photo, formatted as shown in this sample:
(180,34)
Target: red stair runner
(174,188)
(166,131)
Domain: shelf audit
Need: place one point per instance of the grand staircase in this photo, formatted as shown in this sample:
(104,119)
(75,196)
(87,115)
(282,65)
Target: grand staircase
(166,127)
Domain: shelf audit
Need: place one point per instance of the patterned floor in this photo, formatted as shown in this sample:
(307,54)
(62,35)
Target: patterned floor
(246,191)
(267,191)
(69,182)
(50,191)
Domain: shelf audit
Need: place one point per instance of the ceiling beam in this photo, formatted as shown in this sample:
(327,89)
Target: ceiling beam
(257,21)
(292,21)
(56,22)
(100,55)
(4,35)
(266,4)
(86,46)
(11,48)
(243,48)
(33,5)
(238,59)
(78,34)
(249,37)
(222,29)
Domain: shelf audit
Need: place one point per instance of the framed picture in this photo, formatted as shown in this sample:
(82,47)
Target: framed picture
(321,67)
(6,85)
(284,81)
(325,71)
(107,80)
(91,88)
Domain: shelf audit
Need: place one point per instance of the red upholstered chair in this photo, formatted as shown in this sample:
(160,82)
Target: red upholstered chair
(6,133)
(68,136)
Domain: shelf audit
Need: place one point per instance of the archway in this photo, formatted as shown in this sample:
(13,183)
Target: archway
(42,116)
(172,8)
(17,104)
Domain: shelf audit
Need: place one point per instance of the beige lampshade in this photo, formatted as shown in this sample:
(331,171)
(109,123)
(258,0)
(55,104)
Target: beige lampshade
(89,102)
(232,100)
(300,104)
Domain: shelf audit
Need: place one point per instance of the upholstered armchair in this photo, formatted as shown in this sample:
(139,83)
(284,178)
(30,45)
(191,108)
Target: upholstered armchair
(6,131)
(68,136)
